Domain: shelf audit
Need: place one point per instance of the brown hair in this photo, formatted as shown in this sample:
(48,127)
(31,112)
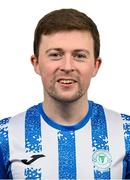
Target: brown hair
(66,20)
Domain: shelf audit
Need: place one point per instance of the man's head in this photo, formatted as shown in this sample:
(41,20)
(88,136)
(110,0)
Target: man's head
(66,20)
(66,54)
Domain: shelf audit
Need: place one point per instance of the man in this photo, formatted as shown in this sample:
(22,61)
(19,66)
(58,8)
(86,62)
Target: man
(66,136)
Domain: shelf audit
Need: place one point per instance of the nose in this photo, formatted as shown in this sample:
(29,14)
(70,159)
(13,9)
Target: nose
(67,64)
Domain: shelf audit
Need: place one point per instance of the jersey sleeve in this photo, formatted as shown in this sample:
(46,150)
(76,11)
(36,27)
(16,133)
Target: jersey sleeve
(128,167)
(3,174)
(4,148)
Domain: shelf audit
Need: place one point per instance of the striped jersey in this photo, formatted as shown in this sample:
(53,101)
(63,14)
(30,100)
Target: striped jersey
(33,146)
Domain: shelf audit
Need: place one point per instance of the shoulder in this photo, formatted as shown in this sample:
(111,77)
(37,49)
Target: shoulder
(10,124)
(15,122)
(116,122)
(4,128)
(4,122)
(117,115)
(109,113)
(31,111)
(113,119)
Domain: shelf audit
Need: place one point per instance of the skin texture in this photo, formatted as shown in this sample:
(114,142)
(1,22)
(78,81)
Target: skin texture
(66,65)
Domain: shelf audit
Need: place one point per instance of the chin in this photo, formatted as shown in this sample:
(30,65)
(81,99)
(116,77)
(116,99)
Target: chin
(68,99)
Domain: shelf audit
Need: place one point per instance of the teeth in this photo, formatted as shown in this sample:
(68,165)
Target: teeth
(67,81)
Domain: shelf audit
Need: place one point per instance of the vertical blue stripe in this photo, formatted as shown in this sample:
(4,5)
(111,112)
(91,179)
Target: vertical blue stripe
(32,173)
(4,145)
(126,161)
(126,127)
(99,138)
(33,138)
(33,130)
(67,155)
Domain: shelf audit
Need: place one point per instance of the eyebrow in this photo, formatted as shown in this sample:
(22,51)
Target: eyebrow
(60,49)
(53,49)
(84,50)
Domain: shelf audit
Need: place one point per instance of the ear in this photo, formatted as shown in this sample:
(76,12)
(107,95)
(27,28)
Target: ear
(35,63)
(97,65)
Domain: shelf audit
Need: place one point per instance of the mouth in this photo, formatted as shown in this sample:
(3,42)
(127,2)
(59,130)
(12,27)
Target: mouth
(66,81)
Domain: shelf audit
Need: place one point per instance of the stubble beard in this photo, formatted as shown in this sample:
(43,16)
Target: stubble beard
(52,92)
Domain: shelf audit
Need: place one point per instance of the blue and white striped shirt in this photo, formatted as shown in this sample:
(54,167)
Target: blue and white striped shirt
(33,146)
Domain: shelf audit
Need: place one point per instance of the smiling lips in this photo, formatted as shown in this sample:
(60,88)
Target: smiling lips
(66,81)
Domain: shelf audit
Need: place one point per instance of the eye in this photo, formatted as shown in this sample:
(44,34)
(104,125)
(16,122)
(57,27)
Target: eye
(55,55)
(80,56)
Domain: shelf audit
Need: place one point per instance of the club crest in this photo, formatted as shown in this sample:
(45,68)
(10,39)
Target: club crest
(102,160)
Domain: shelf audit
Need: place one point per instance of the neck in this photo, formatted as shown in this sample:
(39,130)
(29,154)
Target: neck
(66,113)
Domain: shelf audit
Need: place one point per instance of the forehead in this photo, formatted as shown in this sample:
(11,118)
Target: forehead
(67,40)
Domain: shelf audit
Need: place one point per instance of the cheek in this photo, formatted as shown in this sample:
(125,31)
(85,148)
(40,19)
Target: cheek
(86,76)
(47,78)
(48,72)
(45,82)
(47,69)
(44,72)
(87,72)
